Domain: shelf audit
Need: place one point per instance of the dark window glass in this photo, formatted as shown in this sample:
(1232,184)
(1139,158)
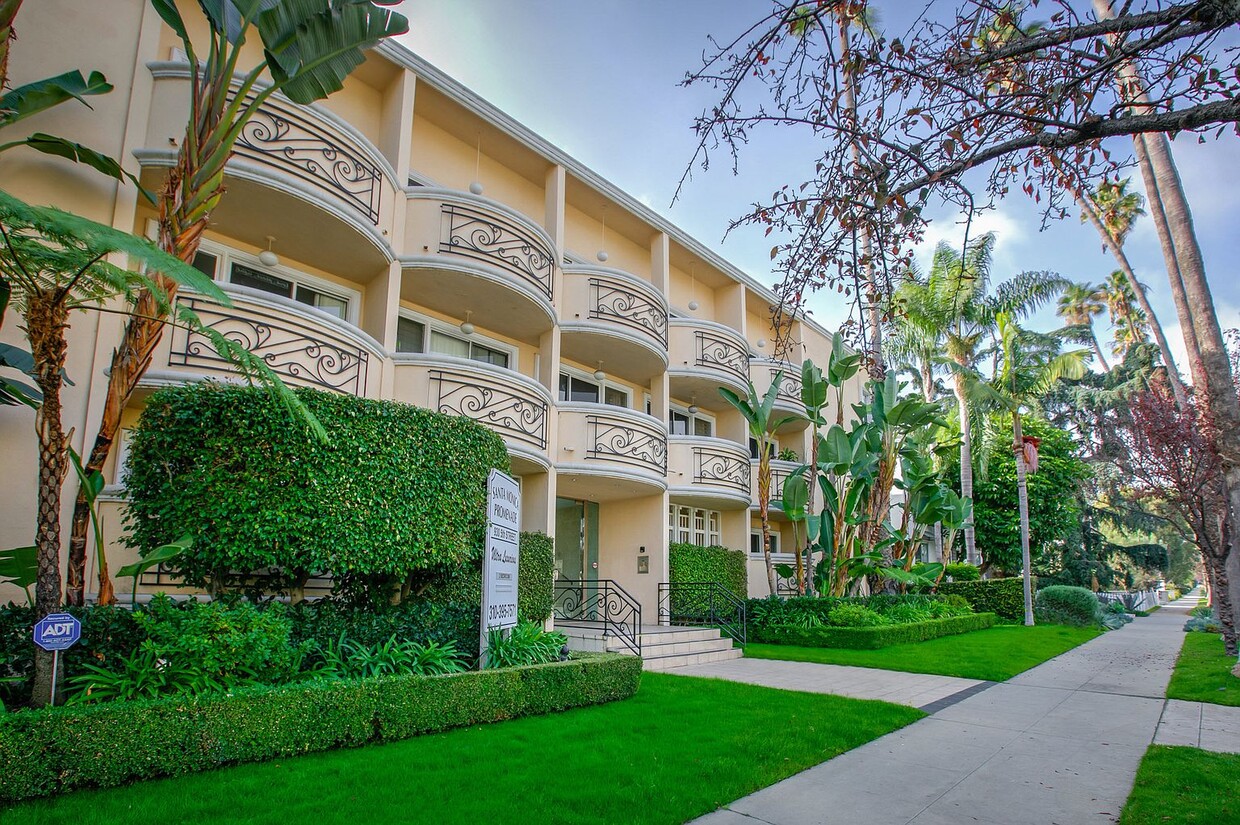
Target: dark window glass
(205,263)
(488,356)
(410,335)
(615,397)
(701,426)
(678,423)
(257,279)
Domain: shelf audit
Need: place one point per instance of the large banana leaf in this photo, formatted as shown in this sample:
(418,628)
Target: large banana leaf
(32,98)
(76,152)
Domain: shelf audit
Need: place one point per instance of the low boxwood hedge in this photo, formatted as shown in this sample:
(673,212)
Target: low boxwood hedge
(1003,597)
(870,638)
(97,746)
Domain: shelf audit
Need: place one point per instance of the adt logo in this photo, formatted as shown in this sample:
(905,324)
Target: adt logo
(57,631)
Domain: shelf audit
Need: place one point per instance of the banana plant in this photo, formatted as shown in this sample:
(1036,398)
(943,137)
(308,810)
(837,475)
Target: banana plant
(161,554)
(309,48)
(19,566)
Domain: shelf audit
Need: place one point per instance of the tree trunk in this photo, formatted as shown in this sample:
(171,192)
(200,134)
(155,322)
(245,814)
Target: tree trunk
(764,507)
(46,321)
(1164,349)
(1093,339)
(966,468)
(130,361)
(1022,494)
(8,11)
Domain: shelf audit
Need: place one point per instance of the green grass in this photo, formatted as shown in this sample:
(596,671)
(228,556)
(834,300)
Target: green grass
(997,653)
(678,749)
(1179,786)
(1203,672)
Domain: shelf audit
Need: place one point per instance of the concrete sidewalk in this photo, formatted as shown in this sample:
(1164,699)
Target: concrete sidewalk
(1056,745)
(1200,725)
(920,690)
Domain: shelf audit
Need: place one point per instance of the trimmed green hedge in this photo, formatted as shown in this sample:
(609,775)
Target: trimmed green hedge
(396,490)
(67,748)
(535,580)
(696,563)
(870,638)
(1003,597)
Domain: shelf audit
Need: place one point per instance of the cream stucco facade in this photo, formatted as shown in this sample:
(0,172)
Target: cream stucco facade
(402,208)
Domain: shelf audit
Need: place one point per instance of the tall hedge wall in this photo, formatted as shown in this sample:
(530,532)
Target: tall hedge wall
(1003,597)
(535,580)
(695,563)
(397,489)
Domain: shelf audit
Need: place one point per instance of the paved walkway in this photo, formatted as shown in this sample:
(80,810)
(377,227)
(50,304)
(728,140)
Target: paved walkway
(1199,725)
(1056,745)
(919,690)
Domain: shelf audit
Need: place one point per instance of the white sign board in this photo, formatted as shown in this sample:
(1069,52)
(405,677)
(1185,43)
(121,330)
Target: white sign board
(499,565)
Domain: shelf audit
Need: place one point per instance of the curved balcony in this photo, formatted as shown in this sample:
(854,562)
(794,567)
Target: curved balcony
(704,356)
(610,452)
(468,253)
(514,406)
(712,472)
(302,345)
(298,173)
(762,372)
(611,316)
(780,471)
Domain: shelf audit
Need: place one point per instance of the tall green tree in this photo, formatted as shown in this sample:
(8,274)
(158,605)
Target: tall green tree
(1030,364)
(1078,305)
(952,312)
(756,409)
(309,48)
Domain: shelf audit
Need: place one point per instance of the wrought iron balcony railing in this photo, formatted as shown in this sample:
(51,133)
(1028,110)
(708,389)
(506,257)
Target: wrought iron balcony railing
(491,238)
(489,401)
(299,351)
(719,467)
(613,300)
(613,438)
(718,352)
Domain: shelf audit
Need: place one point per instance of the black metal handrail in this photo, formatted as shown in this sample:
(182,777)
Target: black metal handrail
(703,603)
(602,601)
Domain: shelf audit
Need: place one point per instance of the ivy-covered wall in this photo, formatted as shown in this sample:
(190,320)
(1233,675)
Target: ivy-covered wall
(695,563)
(397,490)
(535,580)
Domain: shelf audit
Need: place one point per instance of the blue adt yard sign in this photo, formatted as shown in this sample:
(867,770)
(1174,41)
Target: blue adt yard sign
(57,631)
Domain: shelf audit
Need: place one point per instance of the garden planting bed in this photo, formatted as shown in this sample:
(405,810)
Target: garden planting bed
(870,638)
(56,750)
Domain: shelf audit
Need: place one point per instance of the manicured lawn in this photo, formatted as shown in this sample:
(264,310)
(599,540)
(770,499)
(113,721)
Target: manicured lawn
(1177,786)
(1203,672)
(678,749)
(997,653)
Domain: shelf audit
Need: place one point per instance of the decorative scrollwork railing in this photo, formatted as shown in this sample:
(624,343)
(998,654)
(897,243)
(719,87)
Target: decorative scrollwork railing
(717,467)
(602,601)
(298,351)
(703,604)
(493,404)
(490,238)
(721,353)
(778,477)
(611,301)
(789,383)
(281,138)
(618,439)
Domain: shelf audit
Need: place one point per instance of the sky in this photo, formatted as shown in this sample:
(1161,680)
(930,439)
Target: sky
(601,80)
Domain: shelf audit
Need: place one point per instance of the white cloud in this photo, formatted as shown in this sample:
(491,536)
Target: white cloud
(1009,233)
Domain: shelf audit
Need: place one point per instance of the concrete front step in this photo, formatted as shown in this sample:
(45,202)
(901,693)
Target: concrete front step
(661,663)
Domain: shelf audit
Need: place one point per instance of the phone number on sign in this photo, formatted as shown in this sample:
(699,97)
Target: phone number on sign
(498,612)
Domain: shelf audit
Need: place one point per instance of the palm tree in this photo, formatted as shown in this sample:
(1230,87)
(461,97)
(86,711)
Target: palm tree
(951,311)
(1129,321)
(1078,305)
(308,51)
(757,412)
(1029,366)
(53,263)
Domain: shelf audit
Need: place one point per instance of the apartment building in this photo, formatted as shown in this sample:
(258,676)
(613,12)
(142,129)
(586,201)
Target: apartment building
(406,240)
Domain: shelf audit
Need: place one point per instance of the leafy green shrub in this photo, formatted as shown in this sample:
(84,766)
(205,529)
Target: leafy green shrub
(324,621)
(1203,624)
(1003,597)
(956,600)
(870,638)
(145,674)
(854,615)
(1064,604)
(963,572)
(351,660)
(535,581)
(56,750)
(526,644)
(396,491)
(696,563)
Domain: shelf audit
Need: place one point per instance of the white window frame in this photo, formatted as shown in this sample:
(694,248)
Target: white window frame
(693,417)
(708,535)
(226,255)
(582,375)
(444,328)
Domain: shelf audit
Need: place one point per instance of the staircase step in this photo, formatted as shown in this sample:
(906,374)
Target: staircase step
(660,663)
